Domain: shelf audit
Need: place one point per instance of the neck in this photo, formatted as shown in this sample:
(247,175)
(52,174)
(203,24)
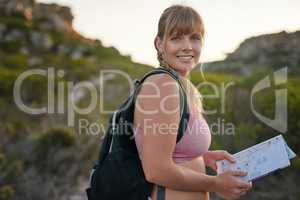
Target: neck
(183,74)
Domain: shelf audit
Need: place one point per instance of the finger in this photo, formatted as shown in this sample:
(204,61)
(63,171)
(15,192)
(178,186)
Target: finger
(236,191)
(243,192)
(238,173)
(229,157)
(247,186)
(244,185)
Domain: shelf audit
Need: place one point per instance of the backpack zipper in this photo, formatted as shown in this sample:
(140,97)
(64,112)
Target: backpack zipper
(113,130)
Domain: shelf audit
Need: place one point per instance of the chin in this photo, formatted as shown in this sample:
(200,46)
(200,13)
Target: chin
(187,67)
(184,71)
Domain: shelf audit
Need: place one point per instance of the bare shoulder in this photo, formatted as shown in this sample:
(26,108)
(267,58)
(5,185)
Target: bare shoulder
(158,97)
(161,81)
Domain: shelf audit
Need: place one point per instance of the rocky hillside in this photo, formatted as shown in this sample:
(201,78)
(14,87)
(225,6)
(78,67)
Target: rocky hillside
(41,157)
(55,17)
(37,29)
(264,52)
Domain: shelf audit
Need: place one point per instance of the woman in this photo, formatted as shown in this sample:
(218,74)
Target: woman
(179,168)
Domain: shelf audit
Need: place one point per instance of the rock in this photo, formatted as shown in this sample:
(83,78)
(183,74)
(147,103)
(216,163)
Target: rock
(59,18)
(12,7)
(62,49)
(264,52)
(15,35)
(54,17)
(34,61)
(78,52)
(41,40)
(53,23)
(281,48)
(24,50)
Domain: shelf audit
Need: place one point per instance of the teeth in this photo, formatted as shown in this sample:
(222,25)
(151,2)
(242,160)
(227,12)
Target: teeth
(185,57)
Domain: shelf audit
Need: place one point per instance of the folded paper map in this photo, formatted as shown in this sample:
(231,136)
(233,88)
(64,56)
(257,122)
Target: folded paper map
(260,159)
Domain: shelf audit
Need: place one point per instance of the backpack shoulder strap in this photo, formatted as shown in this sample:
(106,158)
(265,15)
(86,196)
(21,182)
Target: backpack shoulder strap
(107,144)
(184,111)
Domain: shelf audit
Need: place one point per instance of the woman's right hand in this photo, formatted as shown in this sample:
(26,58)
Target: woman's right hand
(228,185)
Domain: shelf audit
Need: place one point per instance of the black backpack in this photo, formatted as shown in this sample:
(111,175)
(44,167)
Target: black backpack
(119,173)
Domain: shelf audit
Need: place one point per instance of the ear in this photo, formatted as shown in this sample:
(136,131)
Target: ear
(158,43)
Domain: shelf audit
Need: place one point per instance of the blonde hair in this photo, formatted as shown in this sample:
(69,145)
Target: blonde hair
(181,20)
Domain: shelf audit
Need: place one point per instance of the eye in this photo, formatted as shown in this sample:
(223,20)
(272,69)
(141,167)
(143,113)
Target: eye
(175,38)
(196,38)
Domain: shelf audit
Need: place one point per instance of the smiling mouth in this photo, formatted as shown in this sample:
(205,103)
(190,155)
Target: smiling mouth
(185,57)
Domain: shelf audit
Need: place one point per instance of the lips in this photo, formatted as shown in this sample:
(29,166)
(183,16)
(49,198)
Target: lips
(185,57)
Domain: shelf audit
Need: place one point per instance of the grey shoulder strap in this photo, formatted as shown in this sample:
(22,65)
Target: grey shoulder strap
(161,192)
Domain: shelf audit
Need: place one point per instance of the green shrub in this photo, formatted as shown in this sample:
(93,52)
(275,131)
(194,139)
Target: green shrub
(7,81)
(15,127)
(10,46)
(16,61)
(296,163)
(16,22)
(105,52)
(196,77)
(246,135)
(57,137)
(10,167)
(6,192)
(2,159)
(54,138)
(57,37)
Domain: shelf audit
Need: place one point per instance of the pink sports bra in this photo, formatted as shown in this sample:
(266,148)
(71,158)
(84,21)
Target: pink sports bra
(194,143)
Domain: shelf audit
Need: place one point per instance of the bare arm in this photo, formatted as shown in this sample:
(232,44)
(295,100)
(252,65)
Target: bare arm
(157,111)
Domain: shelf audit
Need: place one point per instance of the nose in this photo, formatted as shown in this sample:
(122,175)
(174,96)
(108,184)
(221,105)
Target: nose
(187,45)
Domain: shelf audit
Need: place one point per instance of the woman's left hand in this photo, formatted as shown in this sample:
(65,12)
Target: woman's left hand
(211,157)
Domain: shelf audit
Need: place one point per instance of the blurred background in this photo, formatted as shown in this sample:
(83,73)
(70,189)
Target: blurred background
(42,156)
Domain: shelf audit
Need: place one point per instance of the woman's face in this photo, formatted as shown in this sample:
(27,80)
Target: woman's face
(181,52)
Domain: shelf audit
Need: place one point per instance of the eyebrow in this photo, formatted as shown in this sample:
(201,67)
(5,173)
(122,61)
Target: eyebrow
(196,33)
(193,34)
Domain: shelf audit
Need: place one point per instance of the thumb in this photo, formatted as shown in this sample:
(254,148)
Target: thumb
(238,173)
(215,167)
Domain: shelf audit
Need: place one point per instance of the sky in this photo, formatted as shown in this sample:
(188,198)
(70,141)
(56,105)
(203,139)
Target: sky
(131,25)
